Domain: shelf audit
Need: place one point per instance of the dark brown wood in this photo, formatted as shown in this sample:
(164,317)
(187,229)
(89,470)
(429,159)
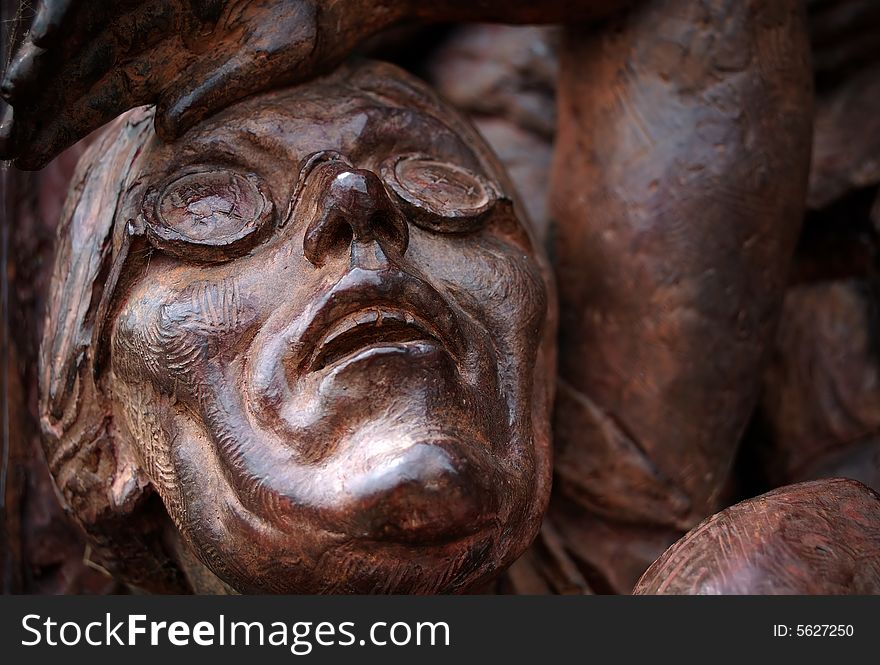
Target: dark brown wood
(820,537)
(316,328)
(680,175)
(847,145)
(303,342)
(821,400)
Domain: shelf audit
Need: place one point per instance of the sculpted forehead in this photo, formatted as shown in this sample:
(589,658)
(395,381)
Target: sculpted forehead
(273,133)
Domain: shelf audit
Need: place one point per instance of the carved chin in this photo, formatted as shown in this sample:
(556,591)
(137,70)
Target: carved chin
(312,563)
(426,489)
(426,521)
(404,513)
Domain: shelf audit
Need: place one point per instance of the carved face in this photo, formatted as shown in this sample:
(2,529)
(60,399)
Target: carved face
(329,350)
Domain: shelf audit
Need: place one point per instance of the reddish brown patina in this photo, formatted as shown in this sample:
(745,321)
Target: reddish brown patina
(674,230)
(301,333)
(317,328)
(820,537)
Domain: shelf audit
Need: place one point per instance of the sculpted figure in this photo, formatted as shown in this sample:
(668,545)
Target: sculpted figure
(317,328)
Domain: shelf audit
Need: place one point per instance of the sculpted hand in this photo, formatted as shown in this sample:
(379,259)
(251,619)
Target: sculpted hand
(85,62)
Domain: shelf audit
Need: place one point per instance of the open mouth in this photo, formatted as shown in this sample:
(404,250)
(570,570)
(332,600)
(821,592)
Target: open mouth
(370,309)
(369,328)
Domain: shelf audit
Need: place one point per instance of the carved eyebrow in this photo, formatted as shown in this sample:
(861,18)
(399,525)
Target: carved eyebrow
(227,140)
(401,130)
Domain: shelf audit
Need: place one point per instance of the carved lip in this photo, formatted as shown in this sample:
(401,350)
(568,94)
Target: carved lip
(380,325)
(375,308)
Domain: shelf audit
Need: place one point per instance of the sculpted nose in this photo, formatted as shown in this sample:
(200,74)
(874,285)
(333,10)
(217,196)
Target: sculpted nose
(353,213)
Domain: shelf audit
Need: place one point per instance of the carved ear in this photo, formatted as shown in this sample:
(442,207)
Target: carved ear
(97,474)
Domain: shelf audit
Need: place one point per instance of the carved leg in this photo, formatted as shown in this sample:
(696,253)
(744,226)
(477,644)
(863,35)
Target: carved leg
(679,187)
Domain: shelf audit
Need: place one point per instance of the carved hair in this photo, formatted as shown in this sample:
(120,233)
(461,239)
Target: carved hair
(96,474)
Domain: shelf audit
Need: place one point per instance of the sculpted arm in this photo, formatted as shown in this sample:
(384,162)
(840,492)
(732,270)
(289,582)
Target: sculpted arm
(680,178)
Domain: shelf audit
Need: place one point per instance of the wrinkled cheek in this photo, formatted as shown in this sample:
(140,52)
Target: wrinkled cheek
(163,349)
(177,340)
(524,302)
(504,290)
(144,423)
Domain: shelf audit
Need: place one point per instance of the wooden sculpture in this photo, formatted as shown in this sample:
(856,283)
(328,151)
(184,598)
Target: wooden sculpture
(316,327)
(301,334)
(820,537)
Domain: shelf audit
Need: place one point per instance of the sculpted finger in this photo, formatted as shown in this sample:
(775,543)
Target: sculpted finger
(62,93)
(6,133)
(67,25)
(23,71)
(122,89)
(67,72)
(124,45)
(253,52)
